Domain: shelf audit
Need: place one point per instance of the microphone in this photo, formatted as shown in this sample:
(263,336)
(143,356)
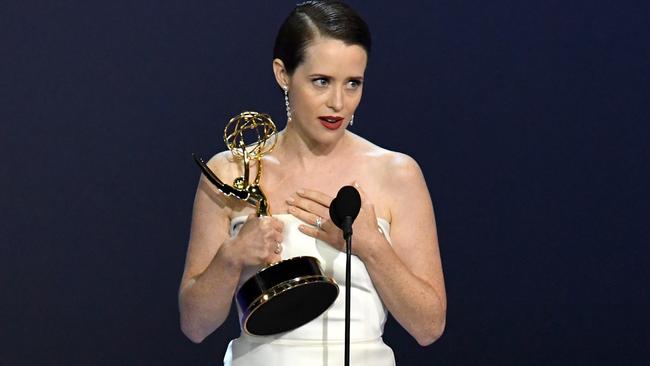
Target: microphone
(344,209)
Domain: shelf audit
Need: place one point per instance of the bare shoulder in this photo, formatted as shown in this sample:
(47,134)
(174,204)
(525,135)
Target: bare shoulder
(391,166)
(226,168)
(403,179)
(402,166)
(393,180)
(224,165)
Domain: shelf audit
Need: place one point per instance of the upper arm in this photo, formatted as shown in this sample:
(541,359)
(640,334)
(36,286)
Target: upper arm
(413,227)
(210,222)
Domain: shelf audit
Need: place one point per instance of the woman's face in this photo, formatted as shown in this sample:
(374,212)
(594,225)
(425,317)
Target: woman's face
(325,90)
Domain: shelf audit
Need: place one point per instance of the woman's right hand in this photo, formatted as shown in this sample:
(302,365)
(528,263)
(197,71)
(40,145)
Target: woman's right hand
(259,241)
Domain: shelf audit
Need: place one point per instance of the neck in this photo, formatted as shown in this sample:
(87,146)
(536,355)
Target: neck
(296,146)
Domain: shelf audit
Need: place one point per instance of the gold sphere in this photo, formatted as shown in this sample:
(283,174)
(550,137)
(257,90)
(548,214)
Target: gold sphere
(258,128)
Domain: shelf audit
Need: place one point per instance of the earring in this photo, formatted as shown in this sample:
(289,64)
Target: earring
(286,102)
(351,120)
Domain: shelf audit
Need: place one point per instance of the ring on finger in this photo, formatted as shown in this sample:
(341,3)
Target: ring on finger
(278,248)
(319,223)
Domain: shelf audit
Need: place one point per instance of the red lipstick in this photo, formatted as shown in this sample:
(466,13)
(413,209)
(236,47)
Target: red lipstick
(331,122)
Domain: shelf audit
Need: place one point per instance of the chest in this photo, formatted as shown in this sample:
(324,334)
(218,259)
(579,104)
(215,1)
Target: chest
(281,181)
(281,184)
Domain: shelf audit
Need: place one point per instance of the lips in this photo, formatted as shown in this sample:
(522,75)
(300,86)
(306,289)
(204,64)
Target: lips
(331,122)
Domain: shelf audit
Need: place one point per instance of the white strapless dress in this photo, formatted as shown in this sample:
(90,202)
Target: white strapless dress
(321,341)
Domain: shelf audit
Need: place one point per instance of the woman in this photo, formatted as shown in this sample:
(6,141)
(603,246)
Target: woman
(320,58)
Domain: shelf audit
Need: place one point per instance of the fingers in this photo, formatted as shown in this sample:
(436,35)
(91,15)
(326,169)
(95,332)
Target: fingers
(311,231)
(277,225)
(271,224)
(273,240)
(316,196)
(270,248)
(261,240)
(274,258)
(328,233)
(362,193)
(304,215)
(308,205)
(365,202)
(305,196)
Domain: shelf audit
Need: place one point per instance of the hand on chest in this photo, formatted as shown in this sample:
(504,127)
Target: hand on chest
(280,189)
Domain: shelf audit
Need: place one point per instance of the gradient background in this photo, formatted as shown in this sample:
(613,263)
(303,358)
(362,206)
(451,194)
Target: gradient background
(529,119)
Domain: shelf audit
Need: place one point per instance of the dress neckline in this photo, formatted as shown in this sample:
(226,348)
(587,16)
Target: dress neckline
(242,217)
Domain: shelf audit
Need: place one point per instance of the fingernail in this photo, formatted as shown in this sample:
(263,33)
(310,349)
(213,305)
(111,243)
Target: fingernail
(300,191)
(290,200)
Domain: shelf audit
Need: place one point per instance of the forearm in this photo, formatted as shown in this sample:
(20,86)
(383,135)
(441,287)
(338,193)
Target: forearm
(205,300)
(413,302)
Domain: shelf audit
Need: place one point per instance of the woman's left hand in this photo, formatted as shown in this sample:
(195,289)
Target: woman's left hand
(311,206)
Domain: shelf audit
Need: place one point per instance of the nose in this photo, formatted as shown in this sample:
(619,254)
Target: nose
(335,100)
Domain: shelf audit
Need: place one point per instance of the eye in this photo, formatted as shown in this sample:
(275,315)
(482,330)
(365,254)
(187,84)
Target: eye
(320,82)
(354,84)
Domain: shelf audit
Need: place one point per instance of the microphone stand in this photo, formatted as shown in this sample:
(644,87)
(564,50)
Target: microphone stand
(343,210)
(347,235)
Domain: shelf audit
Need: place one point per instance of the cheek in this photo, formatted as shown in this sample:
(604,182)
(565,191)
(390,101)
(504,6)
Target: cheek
(355,100)
(306,102)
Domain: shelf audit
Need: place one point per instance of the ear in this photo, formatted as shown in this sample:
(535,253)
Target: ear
(281,75)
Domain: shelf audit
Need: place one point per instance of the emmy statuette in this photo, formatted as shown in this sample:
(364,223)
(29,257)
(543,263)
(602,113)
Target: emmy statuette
(283,295)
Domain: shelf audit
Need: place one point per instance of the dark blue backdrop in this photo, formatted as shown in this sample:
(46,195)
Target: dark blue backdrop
(529,119)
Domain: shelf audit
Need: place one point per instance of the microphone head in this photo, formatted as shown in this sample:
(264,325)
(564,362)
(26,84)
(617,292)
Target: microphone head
(333,215)
(346,203)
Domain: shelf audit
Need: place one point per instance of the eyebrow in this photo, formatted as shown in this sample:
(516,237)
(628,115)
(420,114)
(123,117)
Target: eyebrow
(330,77)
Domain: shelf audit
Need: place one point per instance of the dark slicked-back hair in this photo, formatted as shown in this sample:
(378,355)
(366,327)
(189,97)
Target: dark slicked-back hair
(311,19)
